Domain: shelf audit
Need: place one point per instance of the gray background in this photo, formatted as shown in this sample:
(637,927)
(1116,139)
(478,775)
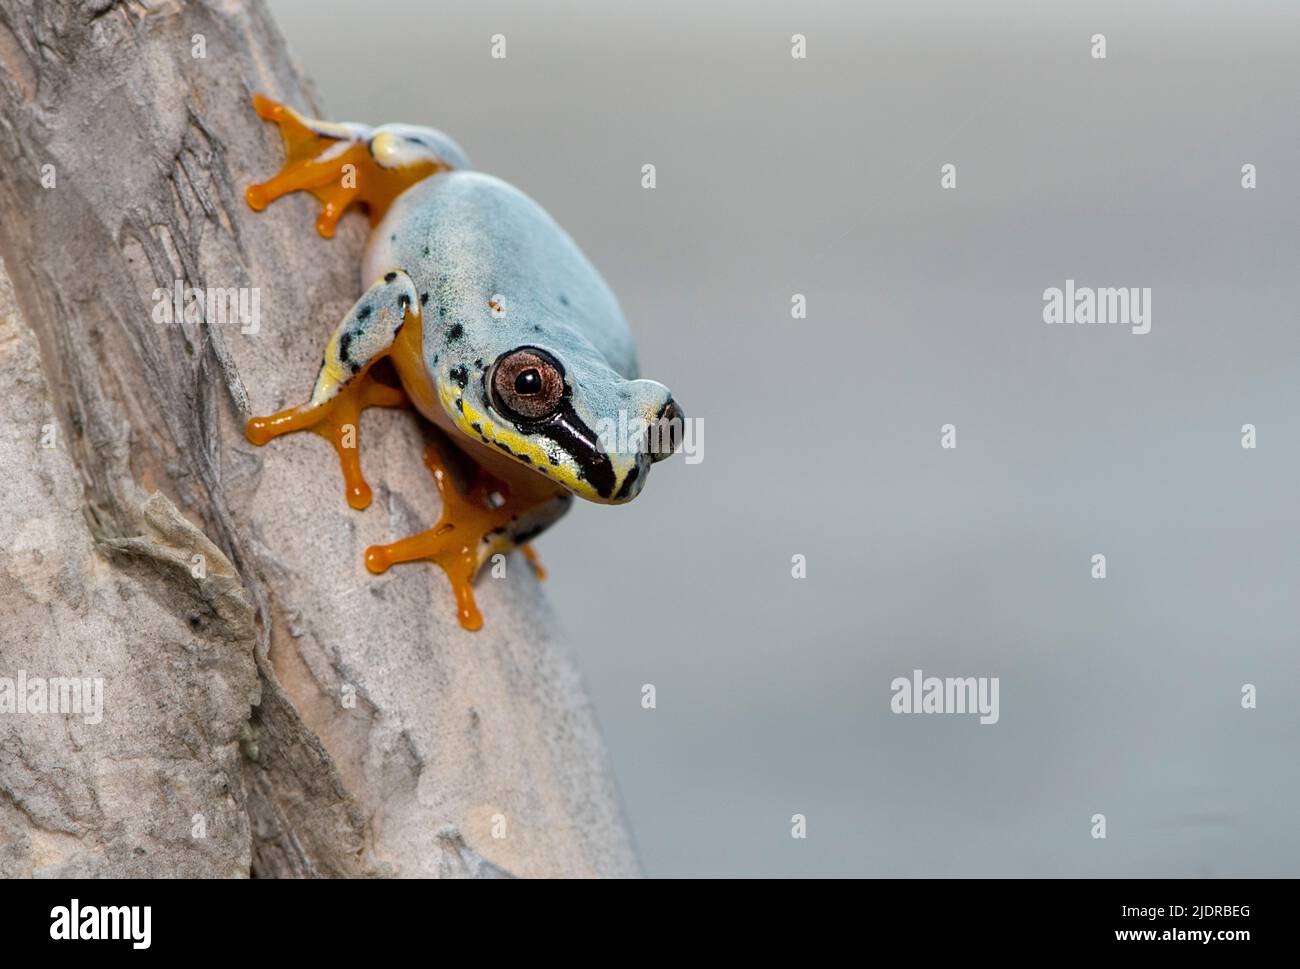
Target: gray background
(821,177)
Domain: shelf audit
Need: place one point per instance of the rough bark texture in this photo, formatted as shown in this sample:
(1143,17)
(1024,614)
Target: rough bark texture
(281,712)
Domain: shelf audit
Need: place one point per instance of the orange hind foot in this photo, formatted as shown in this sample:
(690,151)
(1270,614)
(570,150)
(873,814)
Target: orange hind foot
(346,164)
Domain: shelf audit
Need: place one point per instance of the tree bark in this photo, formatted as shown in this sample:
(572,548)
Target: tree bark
(269,707)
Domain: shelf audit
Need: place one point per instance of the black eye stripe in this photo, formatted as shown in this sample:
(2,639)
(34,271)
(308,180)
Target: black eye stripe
(567,430)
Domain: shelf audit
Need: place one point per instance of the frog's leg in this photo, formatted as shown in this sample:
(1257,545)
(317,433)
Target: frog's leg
(348,163)
(493,516)
(344,387)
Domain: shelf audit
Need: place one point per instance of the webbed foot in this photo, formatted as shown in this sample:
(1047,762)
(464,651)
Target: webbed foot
(338,420)
(491,517)
(347,163)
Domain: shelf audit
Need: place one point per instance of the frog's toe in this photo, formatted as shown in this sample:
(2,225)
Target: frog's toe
(321,178)
(530,556)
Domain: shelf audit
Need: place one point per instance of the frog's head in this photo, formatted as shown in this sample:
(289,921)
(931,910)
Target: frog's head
(563,412)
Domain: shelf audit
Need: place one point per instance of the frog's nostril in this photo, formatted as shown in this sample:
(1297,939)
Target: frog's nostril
(665,435)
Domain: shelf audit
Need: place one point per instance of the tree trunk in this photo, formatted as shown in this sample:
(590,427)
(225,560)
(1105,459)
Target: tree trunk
(269,707)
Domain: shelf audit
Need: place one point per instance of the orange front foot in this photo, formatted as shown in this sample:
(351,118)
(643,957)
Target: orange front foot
(335,163)
(338,420)
(470,529)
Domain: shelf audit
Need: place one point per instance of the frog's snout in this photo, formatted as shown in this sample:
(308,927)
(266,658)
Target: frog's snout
(666,432)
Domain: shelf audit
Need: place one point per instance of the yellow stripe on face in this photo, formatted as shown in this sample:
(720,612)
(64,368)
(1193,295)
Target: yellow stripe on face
(517,443)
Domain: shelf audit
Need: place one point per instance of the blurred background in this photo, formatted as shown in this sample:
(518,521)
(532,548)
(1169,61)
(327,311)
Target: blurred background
(821,176)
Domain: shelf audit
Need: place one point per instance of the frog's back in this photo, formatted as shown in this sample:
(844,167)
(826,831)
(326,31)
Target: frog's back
(467,238)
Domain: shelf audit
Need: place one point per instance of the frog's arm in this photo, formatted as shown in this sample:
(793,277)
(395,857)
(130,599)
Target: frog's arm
(346,163)
(492,516)
(344,387)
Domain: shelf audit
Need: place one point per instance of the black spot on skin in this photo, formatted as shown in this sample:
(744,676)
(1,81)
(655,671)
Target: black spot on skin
(632,475)
(555,462)
(419,141)
(426,250)
(478,428)
(435,358)
(403,302)
(455,332)
(478,362)
(389,277)
(363,313)
(442,311)
(543,470)
(536,328)
(345,341)
(504,447)
(460,375)
(524,458)
(424,299)
(460,405)
(393,237)
(564,300)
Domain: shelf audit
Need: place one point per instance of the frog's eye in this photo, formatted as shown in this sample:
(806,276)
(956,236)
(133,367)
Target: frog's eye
(527,384)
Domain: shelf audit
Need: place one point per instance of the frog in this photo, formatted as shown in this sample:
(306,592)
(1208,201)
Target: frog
(480,313)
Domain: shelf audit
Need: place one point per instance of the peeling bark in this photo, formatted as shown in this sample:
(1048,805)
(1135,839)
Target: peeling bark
(309,718)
